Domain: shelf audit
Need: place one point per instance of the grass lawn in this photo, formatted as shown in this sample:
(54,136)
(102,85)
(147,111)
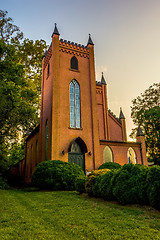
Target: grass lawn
(66,215)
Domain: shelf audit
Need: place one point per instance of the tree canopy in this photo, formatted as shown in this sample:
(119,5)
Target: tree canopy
(145,112)
(20,74)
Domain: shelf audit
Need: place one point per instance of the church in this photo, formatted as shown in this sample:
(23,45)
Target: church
(75,122)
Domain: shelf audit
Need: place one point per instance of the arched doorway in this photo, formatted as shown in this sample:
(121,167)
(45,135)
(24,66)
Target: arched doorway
(131,156)
(107,155)
(76,152)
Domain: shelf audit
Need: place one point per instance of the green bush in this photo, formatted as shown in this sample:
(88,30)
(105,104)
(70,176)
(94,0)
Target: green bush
(110,165)
(3,183)
(90,181)
(56,175)
(80,184)
(96,192)
(153,179)
(130,185)
(106,185)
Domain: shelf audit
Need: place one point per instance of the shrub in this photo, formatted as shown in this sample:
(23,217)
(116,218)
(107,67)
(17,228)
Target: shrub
(130,184)
(110,165)
(80,184)
(56,175)
(3,183)
(96,186)
(106,185)
(153,179)
(90,181)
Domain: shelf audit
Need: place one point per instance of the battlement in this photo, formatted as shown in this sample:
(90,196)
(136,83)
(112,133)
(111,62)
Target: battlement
(73,48)
(72,43)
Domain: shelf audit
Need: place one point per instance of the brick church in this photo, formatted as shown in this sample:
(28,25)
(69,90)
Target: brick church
(75,122)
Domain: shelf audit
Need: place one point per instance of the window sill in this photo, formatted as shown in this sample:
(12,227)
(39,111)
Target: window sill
(74,70)
(73,128)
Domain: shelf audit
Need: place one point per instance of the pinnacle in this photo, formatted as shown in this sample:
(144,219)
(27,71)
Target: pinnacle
(103,80)
(121,115)
(55,30)
(90,40)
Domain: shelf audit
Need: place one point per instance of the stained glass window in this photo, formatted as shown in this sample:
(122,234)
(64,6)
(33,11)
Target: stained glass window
(75,109)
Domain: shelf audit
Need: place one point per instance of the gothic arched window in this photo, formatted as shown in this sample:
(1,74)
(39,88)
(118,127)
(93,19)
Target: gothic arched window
(74,63)
(131,156)
(75,108)
(107,155)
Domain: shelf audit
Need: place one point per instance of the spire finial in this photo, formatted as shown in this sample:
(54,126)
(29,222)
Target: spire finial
(103,80)
(121,115)
(55,30)
(139,132)
(90,40)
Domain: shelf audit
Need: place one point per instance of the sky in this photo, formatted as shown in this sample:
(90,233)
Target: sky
(126,34)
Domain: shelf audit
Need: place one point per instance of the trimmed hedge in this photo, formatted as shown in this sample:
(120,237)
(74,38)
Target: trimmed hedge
(130,184)
(153,180)
(80,184)
(110,165)
(56,175)
(90,181)
(106,186)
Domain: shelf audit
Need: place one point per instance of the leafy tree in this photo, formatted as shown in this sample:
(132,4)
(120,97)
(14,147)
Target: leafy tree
(145,111)
(20,74)
(17,108)
(9,32)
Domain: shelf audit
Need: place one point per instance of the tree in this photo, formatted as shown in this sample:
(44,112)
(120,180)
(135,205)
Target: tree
(20,74)
(9,32)
(145,111)
(17,108)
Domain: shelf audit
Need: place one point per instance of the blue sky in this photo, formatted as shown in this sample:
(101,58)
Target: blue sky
(126,34)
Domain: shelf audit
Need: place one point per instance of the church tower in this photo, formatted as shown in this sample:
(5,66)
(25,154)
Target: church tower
(69,121)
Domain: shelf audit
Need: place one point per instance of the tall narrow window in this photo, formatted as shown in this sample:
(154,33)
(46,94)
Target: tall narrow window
(48,70)
(46,141)
(37,152)
(75,109)
(31,160)
(74,63)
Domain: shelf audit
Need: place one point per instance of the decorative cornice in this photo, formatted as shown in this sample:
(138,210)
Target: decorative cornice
(73,48)
(114,116)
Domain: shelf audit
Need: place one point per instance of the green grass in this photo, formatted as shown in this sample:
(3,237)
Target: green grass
(66,215)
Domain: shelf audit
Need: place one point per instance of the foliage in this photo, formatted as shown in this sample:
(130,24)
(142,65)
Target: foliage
(67,215)
(153,179)
(3,183)
(57,175)
(145,111)
(106,186)
(90,181)
(80,184)
(17,153)
(9,32)
(20,74)
(17,110)
(110,165)
(130,184)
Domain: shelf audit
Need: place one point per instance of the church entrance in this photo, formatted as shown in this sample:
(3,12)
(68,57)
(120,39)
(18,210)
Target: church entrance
(76,152)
